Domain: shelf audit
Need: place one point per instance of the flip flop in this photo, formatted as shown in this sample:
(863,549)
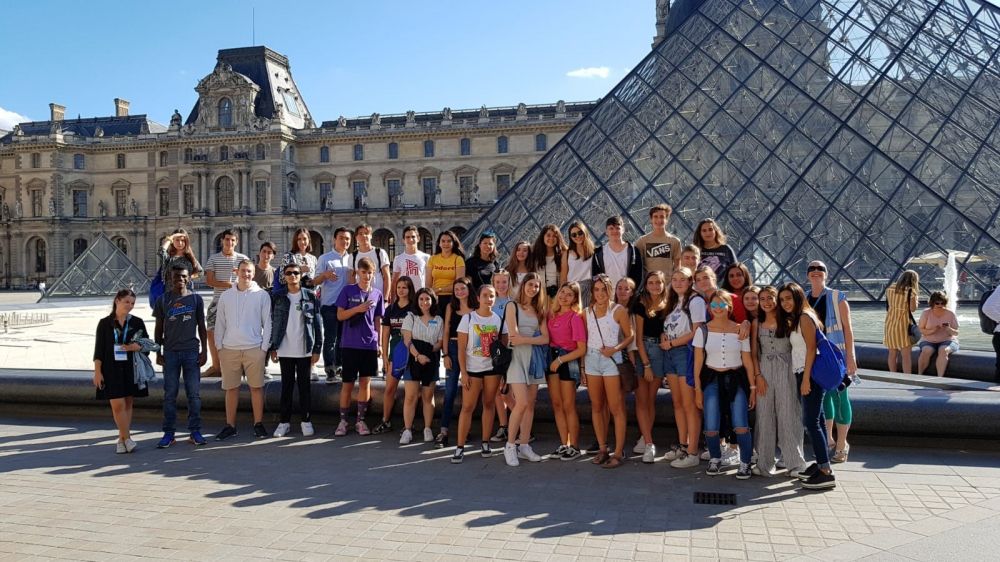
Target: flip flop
(601,458)
(613,462)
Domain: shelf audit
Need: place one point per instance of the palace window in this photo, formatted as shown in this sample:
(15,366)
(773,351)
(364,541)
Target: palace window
(188,192)
(541,143)
(223,153)
(225,112)
(188,155)
(395,193)
(40,257)
(430,190)
(359,152)
(79,247)
(393,151)
(260,189)
(120,203)
(80,203)
(36,202)
(36,160)
(120,161)
(79,162)
(428,149)
(503,184)
(360,190)
(164,202)
(163,159)
(501,145)
(224,193)
(466,147)
(261,152)
(325,196)
(466,189)
(324,154)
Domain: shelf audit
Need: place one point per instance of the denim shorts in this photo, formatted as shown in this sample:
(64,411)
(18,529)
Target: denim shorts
(599,365)
(569,370)
(657,356)
(951,345)
(675,360)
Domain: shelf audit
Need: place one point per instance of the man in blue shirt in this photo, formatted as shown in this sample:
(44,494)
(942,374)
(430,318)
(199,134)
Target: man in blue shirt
(332,271)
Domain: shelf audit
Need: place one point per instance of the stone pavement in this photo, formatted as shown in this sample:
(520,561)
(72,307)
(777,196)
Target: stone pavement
(64,494)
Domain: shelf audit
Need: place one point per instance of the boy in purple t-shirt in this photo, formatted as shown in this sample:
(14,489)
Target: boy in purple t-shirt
(359,309)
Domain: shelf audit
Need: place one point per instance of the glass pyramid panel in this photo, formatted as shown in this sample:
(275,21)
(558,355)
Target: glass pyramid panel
(860,132)
(102,269)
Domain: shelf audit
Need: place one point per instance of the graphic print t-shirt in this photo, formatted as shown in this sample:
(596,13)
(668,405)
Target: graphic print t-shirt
(413,266)
(180,317)
(483,331)
(719,259)
(659,252)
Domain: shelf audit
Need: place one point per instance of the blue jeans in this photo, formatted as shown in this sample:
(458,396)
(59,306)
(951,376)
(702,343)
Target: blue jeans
(450,384)
(174,363)
(331,338)
(814,421)
(738,408)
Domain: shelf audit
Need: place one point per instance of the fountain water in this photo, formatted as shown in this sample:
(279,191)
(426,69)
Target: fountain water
(951,281)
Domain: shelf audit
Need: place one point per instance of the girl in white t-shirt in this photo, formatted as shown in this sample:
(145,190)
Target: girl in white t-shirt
(476,333)
(687,313)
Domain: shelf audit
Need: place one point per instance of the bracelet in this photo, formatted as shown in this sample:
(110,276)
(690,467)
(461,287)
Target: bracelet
(647,366)
(559,360)
(753,387)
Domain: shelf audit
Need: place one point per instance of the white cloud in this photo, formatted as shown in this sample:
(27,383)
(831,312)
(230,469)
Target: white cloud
(8,119)
(590,72)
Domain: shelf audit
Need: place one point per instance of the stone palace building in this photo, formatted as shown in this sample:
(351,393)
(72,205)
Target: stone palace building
(251,157)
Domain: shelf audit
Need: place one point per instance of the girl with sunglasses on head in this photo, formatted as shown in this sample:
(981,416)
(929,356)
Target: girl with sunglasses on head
(722,376)
(568,344)
(483,263)
(687,314)
(547,257)
(715,253)
(576,262)
(939,328)
(463,303)
(649,311)
(779,413)
(525,325)
(797,319)
(834,312)
(609,332)
(445,266)
(403,304)
(517,265)
(736,281)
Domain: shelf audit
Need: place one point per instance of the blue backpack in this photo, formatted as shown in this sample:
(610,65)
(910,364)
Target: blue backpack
(400,358)
(829,367)
(156,288)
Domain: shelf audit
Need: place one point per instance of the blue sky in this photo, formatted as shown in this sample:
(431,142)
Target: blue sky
(348,58)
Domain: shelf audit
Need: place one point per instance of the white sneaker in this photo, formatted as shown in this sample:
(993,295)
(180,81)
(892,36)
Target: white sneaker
(673,454)
(314,376)
(640,446)
(428,435)
(730,457)
(282,429)
(527,453)
(705,455)
(130,445)
(649,454)
(406,438)
(120,448)
(687,461)
(307,429)
(510,455)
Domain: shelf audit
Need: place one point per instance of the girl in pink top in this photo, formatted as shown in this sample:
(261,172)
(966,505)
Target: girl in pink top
(568,341)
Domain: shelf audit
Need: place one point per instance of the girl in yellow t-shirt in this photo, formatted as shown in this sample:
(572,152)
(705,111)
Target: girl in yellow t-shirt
(446,265)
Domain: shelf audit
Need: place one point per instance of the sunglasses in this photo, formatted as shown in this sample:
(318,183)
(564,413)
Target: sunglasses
(718,305)
(813,268)
(576,234)
(292,273)
(938,303)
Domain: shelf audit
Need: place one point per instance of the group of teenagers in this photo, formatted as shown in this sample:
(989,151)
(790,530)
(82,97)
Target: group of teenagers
(618,318)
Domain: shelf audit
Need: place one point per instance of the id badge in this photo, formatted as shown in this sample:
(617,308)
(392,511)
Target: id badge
(120,353)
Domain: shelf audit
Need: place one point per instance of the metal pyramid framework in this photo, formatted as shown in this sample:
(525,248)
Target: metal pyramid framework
(858,132)
(102,269)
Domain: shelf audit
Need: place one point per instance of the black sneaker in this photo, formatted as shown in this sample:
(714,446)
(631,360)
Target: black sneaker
(820,481)
(808,472)
(558,453)
(383,427)
(593,449)
(500,436)
(485,450)
(441,441)
(259,431)
(459,455)
(226,433)
(714,467)
(571,453)
(743,473)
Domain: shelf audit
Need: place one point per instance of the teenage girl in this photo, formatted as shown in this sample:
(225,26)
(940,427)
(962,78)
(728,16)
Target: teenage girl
(576,261)
(687,314)
(518,263)
(736,281)
(445,266)
(423,335)
(546,257)
(504,401)
(649,312)
(715,253)
(392,335)
(463,303)
(568,343)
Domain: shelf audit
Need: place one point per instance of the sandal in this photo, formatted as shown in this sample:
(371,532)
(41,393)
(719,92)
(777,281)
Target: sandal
(841,456)
(613,461)
(601,458)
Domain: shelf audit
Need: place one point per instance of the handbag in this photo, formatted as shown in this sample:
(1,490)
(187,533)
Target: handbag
(500,353)
(913,330)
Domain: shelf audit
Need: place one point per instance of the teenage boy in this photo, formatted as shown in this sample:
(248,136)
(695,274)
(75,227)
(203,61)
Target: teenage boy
(243,336)
(182,335)
(617,258)
(363,236)
(264,276)
(661,251)
(332,270)
(412,262)
(220,273)
(360,308)
(296,341)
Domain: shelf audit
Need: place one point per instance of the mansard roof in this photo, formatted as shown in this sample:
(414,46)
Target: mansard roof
(129,125)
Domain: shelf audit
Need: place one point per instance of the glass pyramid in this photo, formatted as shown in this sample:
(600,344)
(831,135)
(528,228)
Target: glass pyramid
(102,269)
(862,133)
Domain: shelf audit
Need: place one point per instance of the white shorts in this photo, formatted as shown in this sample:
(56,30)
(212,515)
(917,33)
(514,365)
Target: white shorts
(599,365)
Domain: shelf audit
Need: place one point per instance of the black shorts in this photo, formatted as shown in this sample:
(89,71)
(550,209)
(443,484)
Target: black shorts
(568,371)
(359,362)
(481,374)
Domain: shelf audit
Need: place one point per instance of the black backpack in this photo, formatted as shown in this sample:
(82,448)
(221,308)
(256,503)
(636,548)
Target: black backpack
(986,324)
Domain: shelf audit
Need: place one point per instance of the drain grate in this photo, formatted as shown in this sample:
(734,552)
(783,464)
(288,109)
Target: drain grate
(714,498)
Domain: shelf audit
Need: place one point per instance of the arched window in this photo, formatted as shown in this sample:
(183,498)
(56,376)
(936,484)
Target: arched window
(385,239)
(541,142)
(79,247)
(41,259)
(79,162)
(225,112)
(466,147)
(393,151)
(426,240)
(224,193)
(324,154)
(428,149)
(223,153)
(122,244)
(261,152)
(188,154)
(501,145)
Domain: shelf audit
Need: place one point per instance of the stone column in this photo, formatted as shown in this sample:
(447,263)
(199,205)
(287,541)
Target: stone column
(199,193)
(210,193)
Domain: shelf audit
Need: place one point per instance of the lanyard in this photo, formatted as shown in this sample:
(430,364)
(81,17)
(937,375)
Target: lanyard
(123,332)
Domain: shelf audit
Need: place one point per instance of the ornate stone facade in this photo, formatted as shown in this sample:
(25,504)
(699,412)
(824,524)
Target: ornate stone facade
(250,157)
